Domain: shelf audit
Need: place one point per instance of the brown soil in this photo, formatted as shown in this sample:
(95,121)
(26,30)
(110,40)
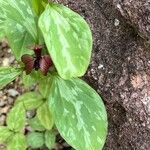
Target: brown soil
(119,71)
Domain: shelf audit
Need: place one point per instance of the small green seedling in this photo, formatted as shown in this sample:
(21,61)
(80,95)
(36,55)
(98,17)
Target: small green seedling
(53,46)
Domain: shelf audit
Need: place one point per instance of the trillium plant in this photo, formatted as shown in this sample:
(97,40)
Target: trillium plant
(52,45)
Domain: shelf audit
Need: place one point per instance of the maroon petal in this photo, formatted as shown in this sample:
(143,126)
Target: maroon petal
(28,62)
(45,64)
(38,52)
(29,67)
(26,58)
(37,49)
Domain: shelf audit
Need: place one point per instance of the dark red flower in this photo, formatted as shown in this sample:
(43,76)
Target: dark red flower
(45,64)
(39,62)
(28,62)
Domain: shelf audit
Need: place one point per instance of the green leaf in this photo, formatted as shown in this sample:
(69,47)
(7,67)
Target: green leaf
(16,118)
(38,6)
(68,39)
(30,100)
(5,133)
(19,39)
(2,26)
(45,86)
(79,114)
(35,139)
(35,124)
(27,80)
(18,36)
(17,142)
(45,116)
(2,33)
(8,74)
(49,139)
(31,79)
(20,11)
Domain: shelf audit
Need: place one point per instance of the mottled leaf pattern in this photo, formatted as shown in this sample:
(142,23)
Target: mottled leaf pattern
(16,118)
(2,25)
(18,24)
(79,113)
(38,6)
(45,116)
(28,80)
(49,139)
(17,142)
(68,39)
(35,124)
(2,35)
(30,100)
(19,39)
(5,133)
(31,79)
(35,139)
(8,74)
(20,11)
(45,86)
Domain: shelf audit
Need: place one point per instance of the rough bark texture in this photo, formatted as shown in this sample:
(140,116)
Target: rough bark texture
(120,72)
(137,12)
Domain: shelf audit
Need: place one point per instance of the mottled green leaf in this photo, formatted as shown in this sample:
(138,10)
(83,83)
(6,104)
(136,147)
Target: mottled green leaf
(35,139)
(19,39)
(35,124)
(45,116)
(27,80)
(79,113)
(1,35)
(68,39)
(20,11)
(5,133)
(17,142)
(30,100)
(45,85)
(31,79)
(2,26)
(16,118)
(18,36)
(8,74)
(38,6)
(50,139)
